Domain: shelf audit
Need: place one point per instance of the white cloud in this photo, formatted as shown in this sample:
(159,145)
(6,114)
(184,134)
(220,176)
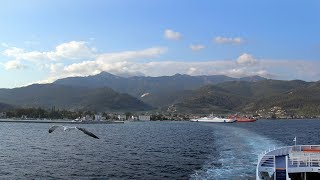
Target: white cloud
(125,55)
(54,68)
(143,62)
(74,50)
(172,35)
(228,40)
(121,63)
(266,68)
(246,59)
(243,72)
(13,52)
(14,64)
(196,47)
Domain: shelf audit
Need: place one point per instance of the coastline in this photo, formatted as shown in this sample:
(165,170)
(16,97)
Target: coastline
(60,121)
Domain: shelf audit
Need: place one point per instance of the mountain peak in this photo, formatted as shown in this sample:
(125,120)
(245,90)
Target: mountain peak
(178,74)
(105,74)
(254,78)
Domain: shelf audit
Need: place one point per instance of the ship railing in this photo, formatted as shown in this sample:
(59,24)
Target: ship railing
(276,151)
(313,148)
(267,164)
(305,156)
(267,161)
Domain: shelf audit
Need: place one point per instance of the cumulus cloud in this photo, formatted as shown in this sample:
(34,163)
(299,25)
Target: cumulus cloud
(279,69)
(228,40)
(172,35)
(196,47)
(70,51)
(13,52)
(144,62)
(14,64)
(73,50)
(246,59)
(54,68)
(120,63)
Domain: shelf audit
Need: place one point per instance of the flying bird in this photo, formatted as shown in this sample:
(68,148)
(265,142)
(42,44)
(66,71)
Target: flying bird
(68,128)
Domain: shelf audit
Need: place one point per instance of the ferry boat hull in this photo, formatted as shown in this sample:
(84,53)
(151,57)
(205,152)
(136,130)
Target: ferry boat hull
(214,120)
(243,119)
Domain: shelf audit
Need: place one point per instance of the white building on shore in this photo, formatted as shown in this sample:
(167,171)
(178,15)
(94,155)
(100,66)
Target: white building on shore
(98,117)
(122,117)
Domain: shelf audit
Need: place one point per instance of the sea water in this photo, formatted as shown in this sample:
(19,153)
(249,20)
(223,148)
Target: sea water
(146,150)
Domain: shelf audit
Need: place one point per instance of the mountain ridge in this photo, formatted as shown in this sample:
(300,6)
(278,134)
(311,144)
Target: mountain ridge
(138,85)
(291,98)
(176,94)
(71,98)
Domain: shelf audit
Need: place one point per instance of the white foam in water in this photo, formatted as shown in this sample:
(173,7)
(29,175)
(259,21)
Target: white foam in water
(236,156)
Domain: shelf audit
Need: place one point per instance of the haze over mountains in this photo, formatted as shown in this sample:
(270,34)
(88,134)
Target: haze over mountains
(177,93)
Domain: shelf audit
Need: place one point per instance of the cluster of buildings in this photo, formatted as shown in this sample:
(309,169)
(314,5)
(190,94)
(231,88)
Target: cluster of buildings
(277,112)
(96,117)
(123,117)
(273,113)
(108,117)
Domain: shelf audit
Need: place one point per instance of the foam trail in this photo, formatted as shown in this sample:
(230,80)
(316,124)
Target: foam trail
(236,156)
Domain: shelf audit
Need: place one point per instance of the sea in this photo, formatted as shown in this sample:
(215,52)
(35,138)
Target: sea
(146,150)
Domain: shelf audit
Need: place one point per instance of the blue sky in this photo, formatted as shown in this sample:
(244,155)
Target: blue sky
(43,40)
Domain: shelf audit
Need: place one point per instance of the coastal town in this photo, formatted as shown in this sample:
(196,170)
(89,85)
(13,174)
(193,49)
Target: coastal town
(42,114)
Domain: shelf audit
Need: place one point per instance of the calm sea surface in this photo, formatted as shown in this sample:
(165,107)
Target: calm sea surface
(146,150)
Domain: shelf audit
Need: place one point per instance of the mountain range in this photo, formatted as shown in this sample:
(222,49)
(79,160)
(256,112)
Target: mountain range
(71,98)
(139,85)
(177,93)
(295,97)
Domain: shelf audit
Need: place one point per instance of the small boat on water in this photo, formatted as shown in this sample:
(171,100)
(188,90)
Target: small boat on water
(212,118)
(291,162)
(242,118)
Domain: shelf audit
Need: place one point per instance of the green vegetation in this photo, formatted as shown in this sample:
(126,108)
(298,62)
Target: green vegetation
(71,98)
(39,113)
(268,98)
(180,94)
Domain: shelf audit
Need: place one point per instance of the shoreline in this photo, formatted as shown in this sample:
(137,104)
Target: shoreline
(60,121)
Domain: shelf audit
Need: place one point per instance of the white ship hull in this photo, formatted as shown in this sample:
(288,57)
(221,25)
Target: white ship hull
(213,120)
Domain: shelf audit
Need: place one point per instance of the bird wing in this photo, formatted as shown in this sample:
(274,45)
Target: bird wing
(87,132)
(52,128)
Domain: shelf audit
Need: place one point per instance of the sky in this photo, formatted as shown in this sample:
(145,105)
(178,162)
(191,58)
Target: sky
(42,41)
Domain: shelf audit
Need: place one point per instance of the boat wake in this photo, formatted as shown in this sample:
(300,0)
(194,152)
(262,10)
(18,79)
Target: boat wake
(236,155)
